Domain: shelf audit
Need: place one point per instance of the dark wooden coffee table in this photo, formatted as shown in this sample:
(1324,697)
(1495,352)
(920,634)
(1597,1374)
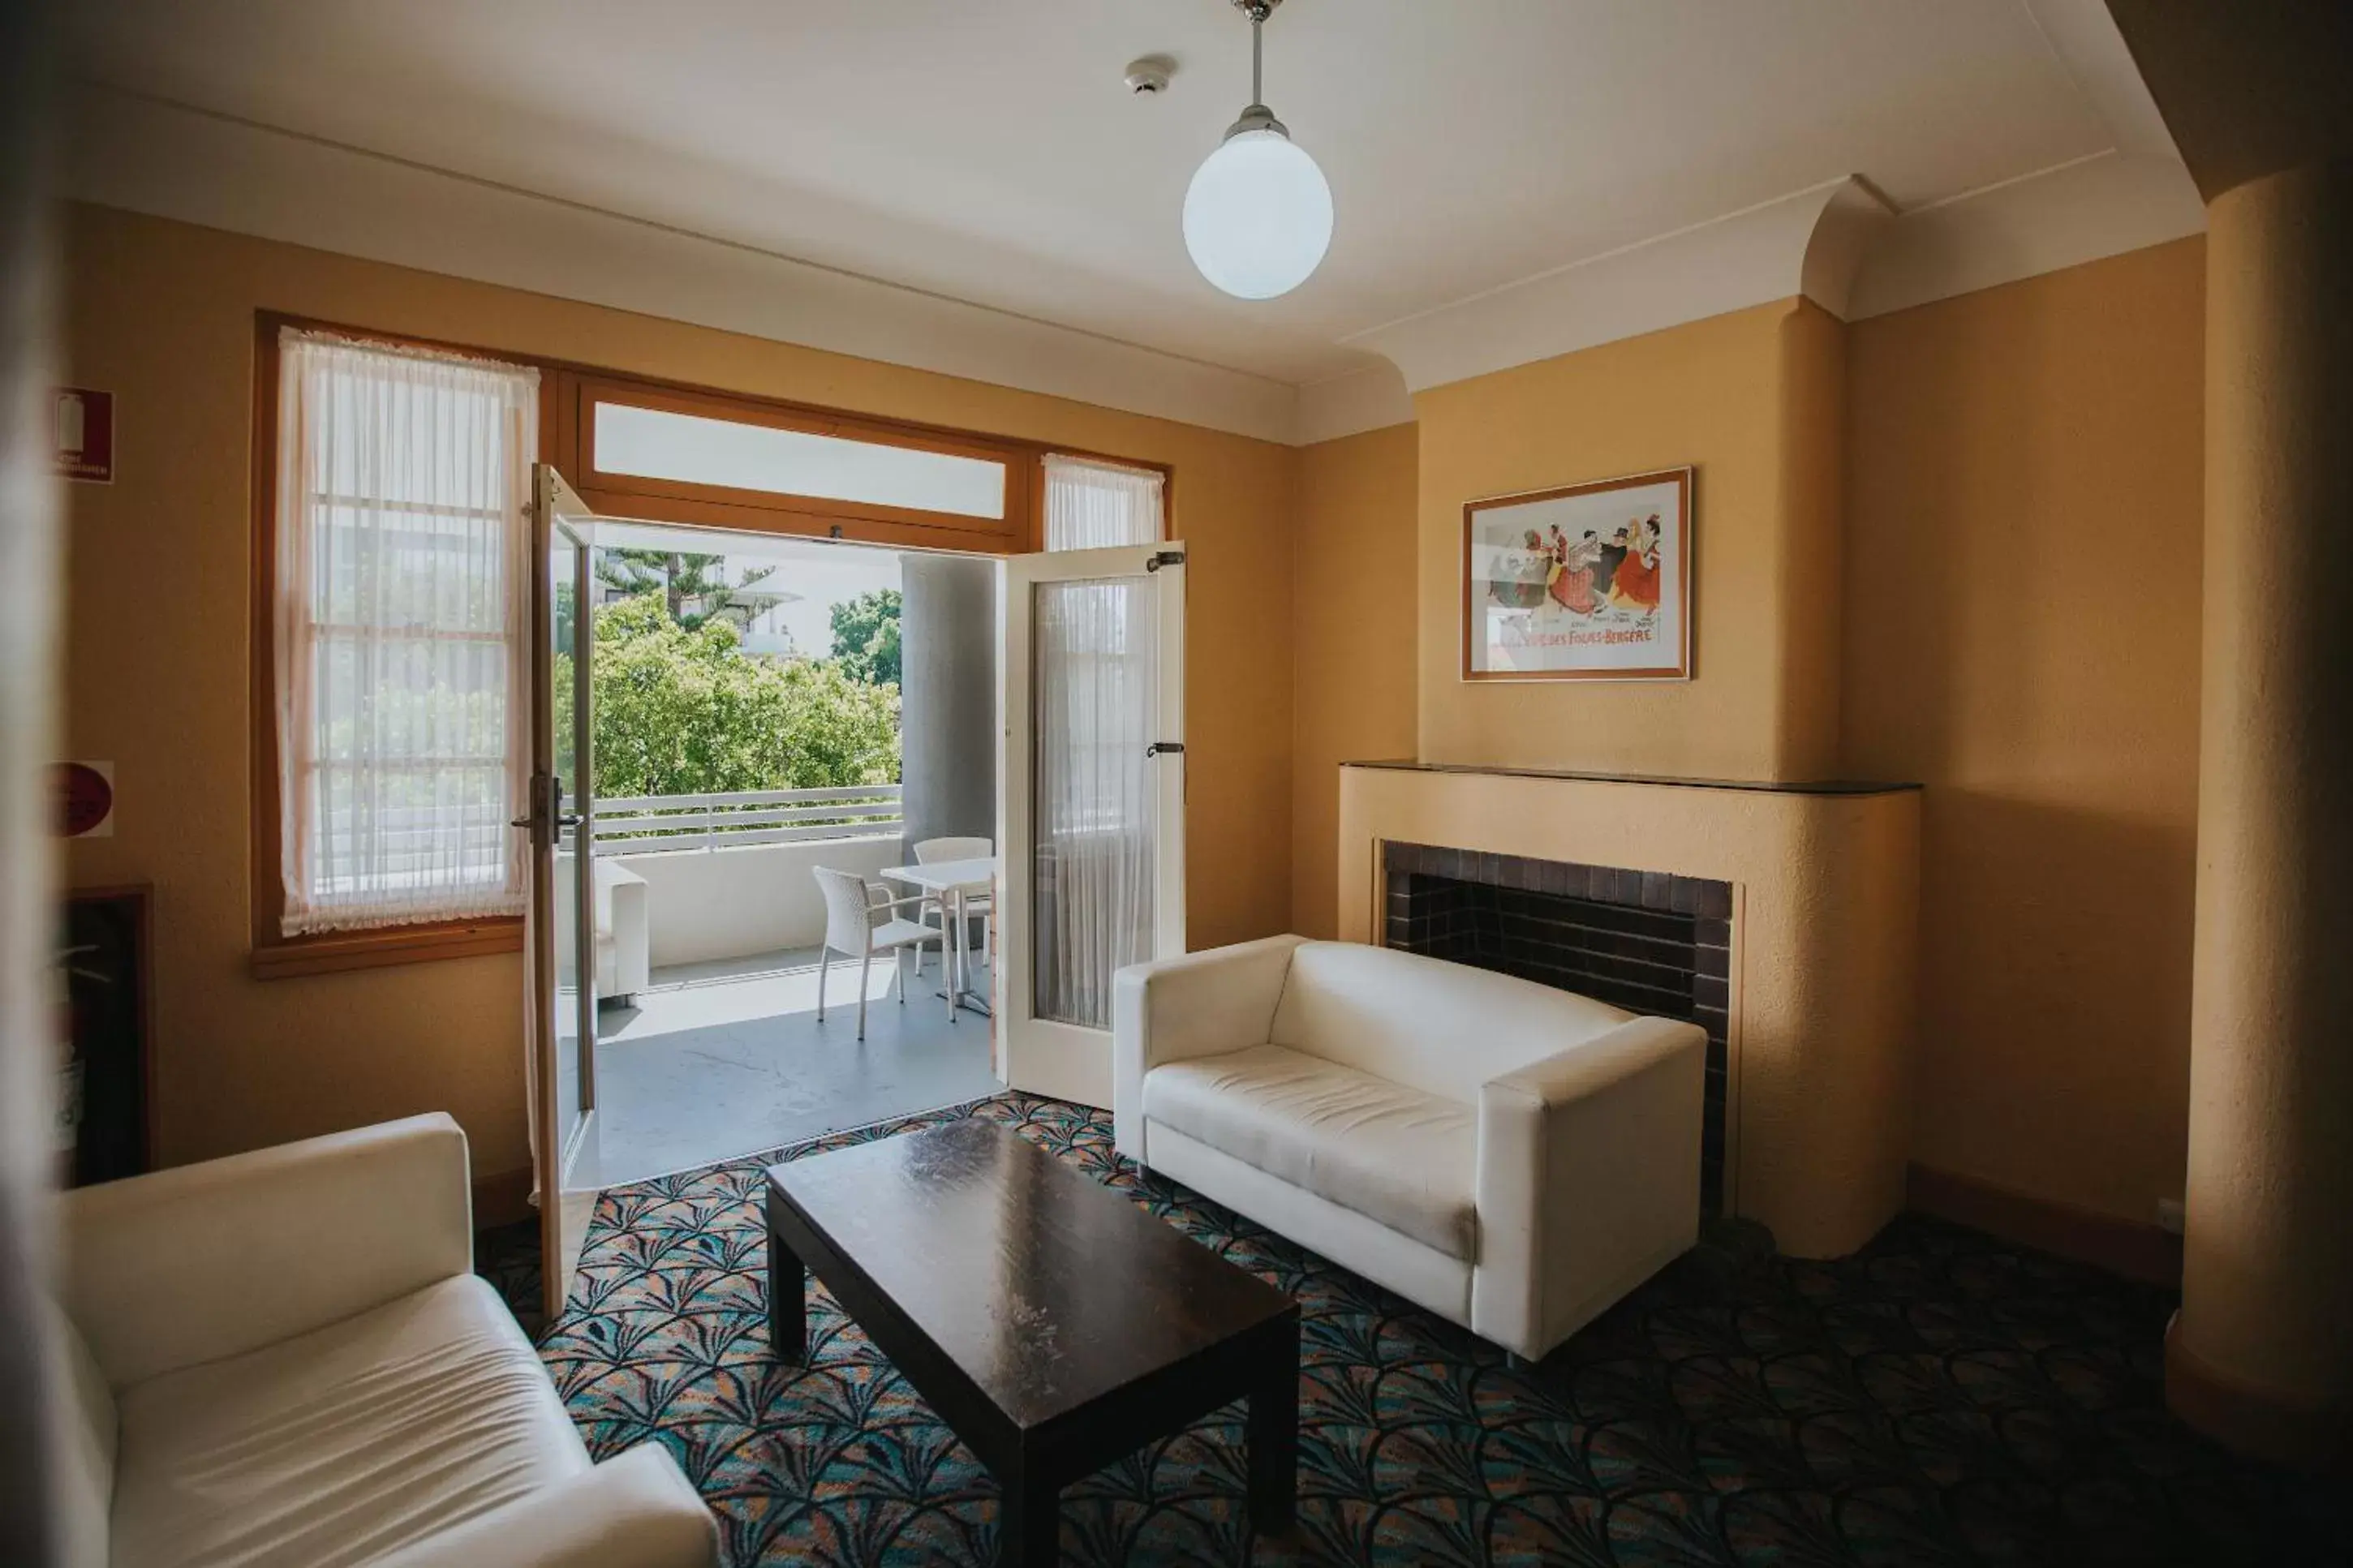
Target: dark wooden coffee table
(1053,1325)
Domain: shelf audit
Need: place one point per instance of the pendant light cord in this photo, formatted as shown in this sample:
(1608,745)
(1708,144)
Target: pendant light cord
(1257,89)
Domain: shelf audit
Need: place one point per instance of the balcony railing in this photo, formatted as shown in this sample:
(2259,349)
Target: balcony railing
(637,825)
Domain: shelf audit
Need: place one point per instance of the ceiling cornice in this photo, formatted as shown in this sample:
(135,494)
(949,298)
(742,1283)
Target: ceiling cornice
(1369,399)
(145,156)
(1807,243)
(1835,243)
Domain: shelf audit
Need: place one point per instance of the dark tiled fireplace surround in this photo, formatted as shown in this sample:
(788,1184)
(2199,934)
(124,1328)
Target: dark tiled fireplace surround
(1642,941)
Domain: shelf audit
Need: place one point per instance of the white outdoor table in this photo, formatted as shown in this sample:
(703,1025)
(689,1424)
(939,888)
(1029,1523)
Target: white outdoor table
(954,881)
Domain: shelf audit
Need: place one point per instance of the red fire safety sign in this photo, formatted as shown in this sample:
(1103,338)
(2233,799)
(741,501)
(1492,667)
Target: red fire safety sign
(85,421)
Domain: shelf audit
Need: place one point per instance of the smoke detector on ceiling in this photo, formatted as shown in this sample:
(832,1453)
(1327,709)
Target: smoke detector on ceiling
(1150,75)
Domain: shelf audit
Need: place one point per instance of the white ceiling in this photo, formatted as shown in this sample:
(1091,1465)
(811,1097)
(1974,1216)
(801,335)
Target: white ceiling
(986,151)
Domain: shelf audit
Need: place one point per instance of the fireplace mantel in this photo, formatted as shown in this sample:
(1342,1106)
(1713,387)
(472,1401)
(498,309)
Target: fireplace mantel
(1824,880)
(1816,786)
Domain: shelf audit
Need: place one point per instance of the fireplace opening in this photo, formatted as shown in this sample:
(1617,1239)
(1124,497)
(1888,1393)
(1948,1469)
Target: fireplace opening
(1642,941)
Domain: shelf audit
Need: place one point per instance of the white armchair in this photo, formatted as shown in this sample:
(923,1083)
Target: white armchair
(1514,1157)
(285,1358)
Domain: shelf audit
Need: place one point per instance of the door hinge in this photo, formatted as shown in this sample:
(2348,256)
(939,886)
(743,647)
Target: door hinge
(1159,747)
(1164,558)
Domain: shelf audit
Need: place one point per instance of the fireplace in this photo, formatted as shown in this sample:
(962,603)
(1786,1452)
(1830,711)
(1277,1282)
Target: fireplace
(1642,941)
(1803,904)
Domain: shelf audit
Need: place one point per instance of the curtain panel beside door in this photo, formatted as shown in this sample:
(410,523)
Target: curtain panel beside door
(403,614)
(1094,649)
(1092,505)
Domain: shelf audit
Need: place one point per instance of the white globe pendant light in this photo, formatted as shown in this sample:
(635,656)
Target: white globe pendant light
(1258,218)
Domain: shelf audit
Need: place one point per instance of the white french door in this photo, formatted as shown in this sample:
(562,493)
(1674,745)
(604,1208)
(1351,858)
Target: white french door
(560,998)
(1090,802)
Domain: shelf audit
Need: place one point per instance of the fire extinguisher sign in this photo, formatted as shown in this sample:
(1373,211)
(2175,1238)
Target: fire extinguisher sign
(85,432)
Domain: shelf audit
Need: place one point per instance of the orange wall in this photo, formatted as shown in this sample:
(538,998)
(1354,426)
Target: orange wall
(162,314)
(1353,642)
(2022,632)
(1958,544)
(1751,401)
(2016,628)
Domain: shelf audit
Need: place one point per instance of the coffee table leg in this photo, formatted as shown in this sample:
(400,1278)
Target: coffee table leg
(1274,1436)
(787,1302)
(1029,1527)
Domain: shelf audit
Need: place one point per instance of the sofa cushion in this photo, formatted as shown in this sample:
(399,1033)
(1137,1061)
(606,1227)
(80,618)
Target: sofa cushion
(340,1444)
(1391,1154)
(1443,1028)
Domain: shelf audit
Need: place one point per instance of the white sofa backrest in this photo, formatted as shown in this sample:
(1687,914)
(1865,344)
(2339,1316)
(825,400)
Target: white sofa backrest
(1440,1027)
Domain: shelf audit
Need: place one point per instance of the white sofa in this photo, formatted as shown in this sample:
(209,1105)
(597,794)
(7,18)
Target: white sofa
(623,942)
(1512,1157)
(285,1358)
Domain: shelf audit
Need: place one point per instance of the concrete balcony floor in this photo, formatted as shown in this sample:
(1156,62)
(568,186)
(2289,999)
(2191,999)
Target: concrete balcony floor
(717,1061)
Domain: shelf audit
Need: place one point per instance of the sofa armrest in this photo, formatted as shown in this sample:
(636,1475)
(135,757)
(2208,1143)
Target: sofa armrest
(1201,1004)
(634,1510)
(203,1261)
(1588,1179)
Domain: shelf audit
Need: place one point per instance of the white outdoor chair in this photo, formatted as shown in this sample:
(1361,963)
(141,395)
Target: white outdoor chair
(859,924)
(931,851)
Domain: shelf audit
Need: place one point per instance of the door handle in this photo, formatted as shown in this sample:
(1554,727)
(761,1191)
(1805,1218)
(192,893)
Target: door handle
(546,814)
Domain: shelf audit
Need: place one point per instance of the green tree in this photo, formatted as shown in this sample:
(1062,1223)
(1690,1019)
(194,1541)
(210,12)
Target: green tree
(693,588)
(680,709)
(866,637)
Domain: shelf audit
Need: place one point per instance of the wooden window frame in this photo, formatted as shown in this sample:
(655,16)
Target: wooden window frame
(628,495)
(274,955)
(567,394)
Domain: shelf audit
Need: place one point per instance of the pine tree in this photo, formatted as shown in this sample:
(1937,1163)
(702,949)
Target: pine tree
(693,588)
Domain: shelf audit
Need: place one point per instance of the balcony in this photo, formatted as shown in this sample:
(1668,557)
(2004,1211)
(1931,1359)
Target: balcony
(720,1052)
(727,875)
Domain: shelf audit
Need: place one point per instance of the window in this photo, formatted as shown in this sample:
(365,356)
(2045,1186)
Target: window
(677,454)
(391,648)
(400,597)
(1092,504)
(656,444)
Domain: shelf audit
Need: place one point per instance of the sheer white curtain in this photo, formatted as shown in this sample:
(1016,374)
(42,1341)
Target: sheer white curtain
(1095,652)
(1091,504)
(403,632)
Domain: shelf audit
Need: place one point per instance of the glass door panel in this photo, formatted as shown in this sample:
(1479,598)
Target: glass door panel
(1094,646)
(561,997)
(1092,803)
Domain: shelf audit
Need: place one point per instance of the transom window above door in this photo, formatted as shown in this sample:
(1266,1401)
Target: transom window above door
(708,457)
(656,444)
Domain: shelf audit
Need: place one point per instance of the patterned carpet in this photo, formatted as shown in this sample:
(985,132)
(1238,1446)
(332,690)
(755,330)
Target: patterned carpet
(1938,1398)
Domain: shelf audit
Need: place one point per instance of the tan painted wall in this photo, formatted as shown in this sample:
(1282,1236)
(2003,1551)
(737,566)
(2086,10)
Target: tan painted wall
(2267,1267)
(2022,636)
(162,314)
(1353,649)
(2019,601)
(1751,400)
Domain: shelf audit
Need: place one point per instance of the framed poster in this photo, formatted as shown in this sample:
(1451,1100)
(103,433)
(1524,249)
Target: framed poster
(1583,582)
